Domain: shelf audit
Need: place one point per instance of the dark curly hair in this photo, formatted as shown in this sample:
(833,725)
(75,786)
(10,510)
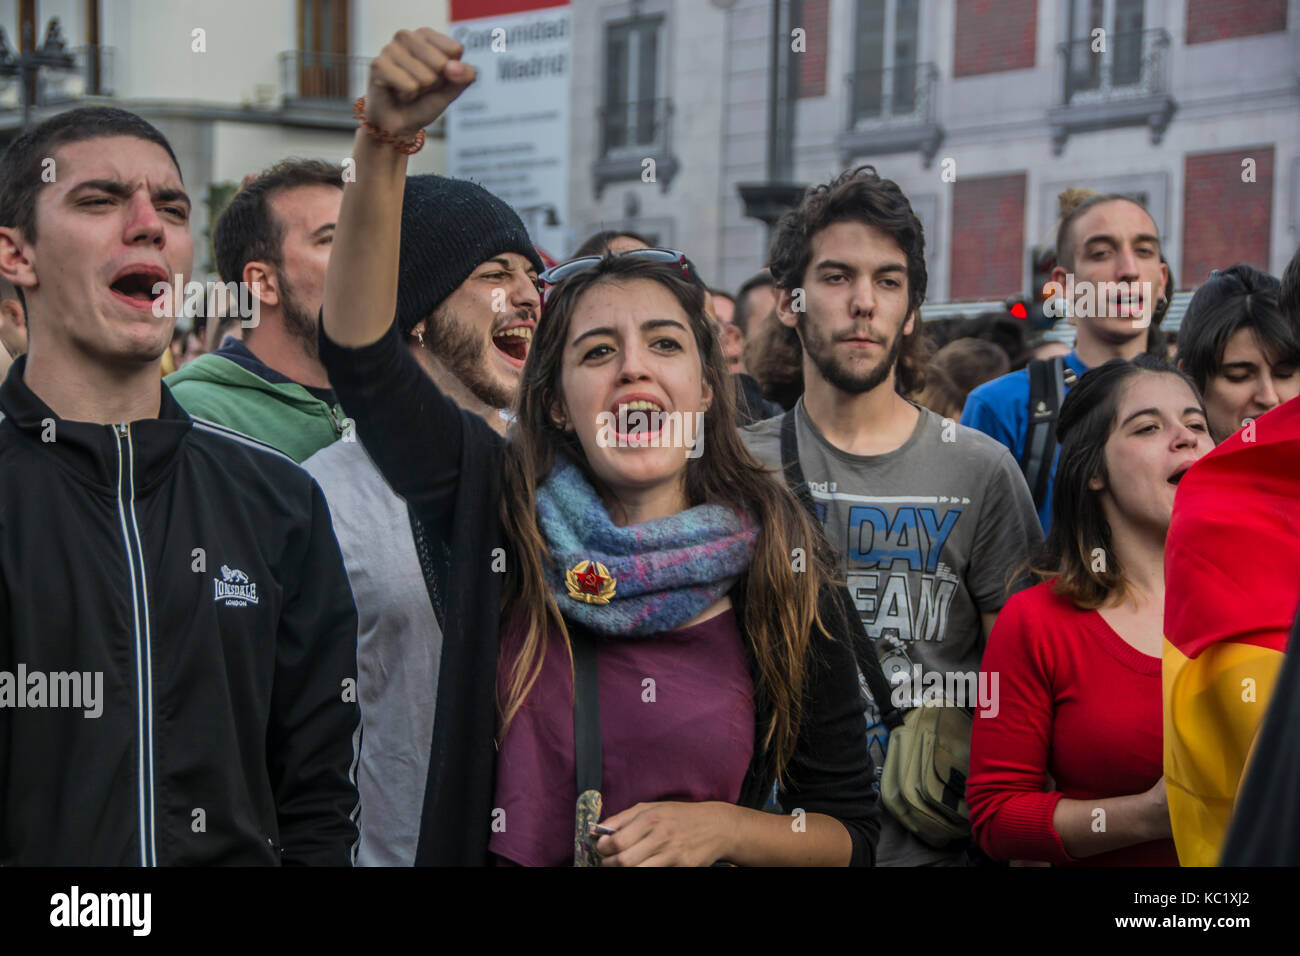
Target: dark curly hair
(859,195)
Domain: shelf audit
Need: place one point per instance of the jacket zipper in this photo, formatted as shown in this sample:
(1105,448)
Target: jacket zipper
(143,655)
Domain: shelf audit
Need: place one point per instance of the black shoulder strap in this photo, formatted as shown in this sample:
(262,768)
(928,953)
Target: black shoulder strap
(863,647)
(586,710)
(1046,393)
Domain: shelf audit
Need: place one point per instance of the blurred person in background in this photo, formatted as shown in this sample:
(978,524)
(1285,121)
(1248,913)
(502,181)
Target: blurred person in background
(775,358)
(956,369)
(611,240)
(274,238)
(1239,349)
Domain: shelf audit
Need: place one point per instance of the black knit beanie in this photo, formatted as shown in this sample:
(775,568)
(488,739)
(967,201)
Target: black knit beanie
(449,228)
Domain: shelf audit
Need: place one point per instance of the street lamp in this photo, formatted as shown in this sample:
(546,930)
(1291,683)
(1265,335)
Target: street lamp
(53,53)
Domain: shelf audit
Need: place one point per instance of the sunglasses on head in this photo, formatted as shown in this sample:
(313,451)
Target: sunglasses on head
(566,270)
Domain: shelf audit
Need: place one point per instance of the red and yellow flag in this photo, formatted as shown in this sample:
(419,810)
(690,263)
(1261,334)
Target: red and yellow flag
(1232,584)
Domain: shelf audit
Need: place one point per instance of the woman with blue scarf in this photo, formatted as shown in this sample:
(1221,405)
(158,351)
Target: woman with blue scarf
(619,562)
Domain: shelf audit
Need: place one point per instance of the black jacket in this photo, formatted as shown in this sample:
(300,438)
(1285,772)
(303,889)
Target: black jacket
(196,572)
(447,463)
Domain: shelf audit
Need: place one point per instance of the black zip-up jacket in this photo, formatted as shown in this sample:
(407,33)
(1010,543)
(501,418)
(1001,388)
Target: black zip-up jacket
(447,463)
(192,574)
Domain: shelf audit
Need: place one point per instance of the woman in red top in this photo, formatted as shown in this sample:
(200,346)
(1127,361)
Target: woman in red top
(1067,768)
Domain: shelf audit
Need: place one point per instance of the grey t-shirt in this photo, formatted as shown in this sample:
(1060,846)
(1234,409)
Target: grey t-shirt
(927,535)
(399,645)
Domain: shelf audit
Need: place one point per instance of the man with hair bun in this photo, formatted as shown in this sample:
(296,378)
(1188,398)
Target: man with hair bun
(1105,242)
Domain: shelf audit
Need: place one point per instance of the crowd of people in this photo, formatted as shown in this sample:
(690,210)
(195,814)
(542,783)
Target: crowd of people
(449,558)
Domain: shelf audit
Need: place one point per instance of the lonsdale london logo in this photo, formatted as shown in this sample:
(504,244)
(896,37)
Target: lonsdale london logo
(234,588)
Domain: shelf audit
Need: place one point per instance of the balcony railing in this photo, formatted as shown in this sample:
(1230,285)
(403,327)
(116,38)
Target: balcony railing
(900,95)
(1133,64)
(639,126)
(1124,84)
(630,134)
(891,111)
(90,73)
(331,80)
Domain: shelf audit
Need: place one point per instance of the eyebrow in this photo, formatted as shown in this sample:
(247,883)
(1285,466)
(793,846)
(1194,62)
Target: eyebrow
(121,190)
(845,267)
(1189,410)
(328,227)
(1111,240)
(649,325)
(1244,366)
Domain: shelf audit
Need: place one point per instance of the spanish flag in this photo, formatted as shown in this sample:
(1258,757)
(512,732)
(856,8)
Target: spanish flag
(1232,584)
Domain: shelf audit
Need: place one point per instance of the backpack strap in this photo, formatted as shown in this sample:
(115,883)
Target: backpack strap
(864,648)
(586,710)
(1047,384)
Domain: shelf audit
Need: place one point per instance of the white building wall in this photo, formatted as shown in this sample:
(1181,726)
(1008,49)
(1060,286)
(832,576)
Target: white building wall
(687,213)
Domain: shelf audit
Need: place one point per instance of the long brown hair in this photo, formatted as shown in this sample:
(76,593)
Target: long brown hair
(1079,527)
(780,602)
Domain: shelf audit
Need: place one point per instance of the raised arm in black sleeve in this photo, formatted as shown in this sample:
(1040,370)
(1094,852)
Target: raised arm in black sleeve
(412,431)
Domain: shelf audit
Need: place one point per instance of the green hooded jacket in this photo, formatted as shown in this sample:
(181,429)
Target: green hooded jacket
(283,414)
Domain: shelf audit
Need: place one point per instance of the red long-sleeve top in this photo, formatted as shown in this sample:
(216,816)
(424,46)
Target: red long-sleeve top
(1076,701)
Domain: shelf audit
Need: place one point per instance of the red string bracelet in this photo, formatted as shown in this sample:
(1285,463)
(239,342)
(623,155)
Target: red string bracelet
(406,145)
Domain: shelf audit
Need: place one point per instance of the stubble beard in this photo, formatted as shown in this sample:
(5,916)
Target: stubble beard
(821,352)
(298,321)
(463,351)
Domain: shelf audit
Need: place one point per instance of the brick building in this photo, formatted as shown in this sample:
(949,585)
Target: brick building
(982,110)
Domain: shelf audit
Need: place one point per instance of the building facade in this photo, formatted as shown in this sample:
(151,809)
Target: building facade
(981,110)
(235,85)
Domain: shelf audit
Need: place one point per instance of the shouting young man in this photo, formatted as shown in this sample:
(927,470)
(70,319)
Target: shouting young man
(929,519)
(467,304)
(177,662)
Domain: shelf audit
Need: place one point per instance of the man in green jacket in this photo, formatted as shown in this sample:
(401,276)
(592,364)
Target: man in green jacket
(274,240)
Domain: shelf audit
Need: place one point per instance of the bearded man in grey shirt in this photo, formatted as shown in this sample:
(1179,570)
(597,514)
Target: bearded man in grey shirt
(930,519)
(467,304)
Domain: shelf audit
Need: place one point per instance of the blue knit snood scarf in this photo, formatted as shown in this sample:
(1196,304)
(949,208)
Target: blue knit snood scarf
(665,571)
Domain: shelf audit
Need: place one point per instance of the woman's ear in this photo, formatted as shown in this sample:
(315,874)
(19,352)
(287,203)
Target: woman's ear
(560,417)
(1096,483)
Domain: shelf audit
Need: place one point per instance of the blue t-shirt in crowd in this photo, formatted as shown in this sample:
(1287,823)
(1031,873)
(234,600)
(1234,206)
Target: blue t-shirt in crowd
(1000,409)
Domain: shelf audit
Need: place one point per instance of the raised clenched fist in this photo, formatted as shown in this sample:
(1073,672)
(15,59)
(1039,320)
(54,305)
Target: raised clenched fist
(414,79)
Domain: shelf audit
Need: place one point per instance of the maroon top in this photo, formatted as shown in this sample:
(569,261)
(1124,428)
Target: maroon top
(687,736)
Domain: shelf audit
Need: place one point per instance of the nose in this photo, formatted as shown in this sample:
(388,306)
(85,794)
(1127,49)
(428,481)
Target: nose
(143,224)
(1127,262)
(864,297)
(1185,438)
(524,294)
(1266,391)
(634,366)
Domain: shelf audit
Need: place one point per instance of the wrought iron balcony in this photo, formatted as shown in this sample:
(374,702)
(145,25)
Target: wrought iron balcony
(83,71)
(322,80)
(891,111)
(631,133)
(1125,83)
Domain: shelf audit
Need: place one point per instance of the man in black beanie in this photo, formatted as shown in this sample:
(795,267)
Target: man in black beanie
(467,296)
(467,304)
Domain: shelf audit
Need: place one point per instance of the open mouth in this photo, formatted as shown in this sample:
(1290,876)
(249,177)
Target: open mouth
(514,342)
(136,286)
(642,417)
(1177,476)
